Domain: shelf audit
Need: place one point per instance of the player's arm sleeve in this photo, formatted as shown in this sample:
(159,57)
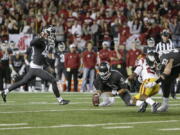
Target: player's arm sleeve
(122,83)
(98,84)
(138,70)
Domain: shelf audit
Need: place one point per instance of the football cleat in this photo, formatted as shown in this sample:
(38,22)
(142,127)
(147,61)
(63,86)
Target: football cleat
(155,106)
(3,95)
(143,107)
(64,102)
(163,108)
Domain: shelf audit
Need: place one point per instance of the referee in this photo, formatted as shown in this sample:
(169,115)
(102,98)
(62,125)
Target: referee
(164,48)
(166,44)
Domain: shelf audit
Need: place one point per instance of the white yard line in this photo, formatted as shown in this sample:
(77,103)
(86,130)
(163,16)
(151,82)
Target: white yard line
(118,127)
(42,103)
(170,129)
(14,124)
(65,110)
(90,125)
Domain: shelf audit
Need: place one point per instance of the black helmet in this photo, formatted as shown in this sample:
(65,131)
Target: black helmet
(151,59)
(61,46)
(50,31)
(151,42)
(104,70)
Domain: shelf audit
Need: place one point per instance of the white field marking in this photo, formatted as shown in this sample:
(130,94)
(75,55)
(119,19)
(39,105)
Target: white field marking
(117,127)
(81,109)
(43,103)
(13,124)
(177,98)
(174,104)
(65,110)
(89,125)
(170,129)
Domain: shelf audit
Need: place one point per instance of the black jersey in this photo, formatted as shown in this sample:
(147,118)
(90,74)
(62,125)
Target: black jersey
(39,51)
(116,81)
(5,58)
(29,53)
(175,54)
(148,49)
(17,63)
(60,56)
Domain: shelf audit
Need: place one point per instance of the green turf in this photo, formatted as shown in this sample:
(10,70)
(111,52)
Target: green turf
(25,107)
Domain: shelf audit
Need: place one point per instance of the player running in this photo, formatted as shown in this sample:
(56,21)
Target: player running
(40,48)
(146,70)
(170,62)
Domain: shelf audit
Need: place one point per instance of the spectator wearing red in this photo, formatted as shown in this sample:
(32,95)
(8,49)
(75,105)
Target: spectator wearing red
(117,59)
(131,57)
(72,63)
(124,33)
(89,58)
(104,53)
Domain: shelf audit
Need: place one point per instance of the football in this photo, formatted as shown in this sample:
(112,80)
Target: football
(95,99)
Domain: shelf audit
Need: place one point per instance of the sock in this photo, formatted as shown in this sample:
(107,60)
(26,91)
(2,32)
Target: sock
(139,102)
(59,99)
(165,101)
(6,91)
(150,101)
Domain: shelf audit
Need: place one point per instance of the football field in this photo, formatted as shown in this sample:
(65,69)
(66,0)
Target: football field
(39,114)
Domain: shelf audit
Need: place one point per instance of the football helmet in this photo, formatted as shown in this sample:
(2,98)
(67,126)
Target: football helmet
(61,46)
(151,42)
(50,31)
(150,59)
(104,71)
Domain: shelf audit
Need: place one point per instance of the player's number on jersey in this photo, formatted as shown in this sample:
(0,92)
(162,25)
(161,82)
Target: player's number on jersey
(45,52)
(62,58)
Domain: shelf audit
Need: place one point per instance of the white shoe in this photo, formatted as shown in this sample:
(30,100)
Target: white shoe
(163,108)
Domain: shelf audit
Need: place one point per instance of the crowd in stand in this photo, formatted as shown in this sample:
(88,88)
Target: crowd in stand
(99,20)
(118,28)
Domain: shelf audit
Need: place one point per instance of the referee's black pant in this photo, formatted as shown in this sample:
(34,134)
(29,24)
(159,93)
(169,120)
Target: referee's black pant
(169,81)
(34,72)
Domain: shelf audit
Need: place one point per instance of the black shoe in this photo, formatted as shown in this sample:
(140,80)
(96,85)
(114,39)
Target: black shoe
(143,107)
(64,102)
(155,106)
(3,96)
(173,95)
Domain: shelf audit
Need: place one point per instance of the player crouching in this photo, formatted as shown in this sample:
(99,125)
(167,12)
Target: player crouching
(146,70)
(108,84)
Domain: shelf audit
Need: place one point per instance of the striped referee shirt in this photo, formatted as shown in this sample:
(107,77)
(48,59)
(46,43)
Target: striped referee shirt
(164,47)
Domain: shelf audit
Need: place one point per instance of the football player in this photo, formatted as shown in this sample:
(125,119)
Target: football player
(171,69)
(150,46)
(110,83)
(60,58)
(40,49)
(17,65)
(146,70)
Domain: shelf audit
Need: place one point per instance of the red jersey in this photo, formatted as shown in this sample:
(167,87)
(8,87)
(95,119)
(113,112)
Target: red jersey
(113,54)
(72,60)
(89,59)
(104,55)
(131,57)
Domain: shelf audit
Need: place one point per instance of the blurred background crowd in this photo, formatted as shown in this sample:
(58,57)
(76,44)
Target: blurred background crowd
(122,26)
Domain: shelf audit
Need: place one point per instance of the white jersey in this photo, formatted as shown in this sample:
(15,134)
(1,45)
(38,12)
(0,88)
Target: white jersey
(144,71)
